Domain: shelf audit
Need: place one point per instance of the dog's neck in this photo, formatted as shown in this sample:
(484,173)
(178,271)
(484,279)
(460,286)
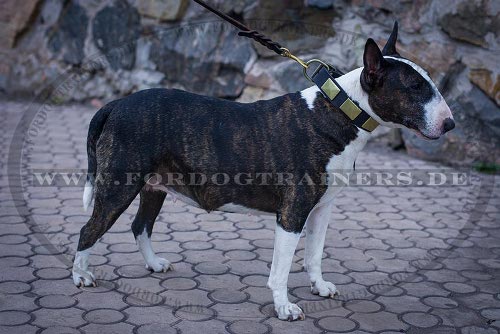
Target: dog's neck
(351,84)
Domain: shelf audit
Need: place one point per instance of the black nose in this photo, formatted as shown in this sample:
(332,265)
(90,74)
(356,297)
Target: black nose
(448,125)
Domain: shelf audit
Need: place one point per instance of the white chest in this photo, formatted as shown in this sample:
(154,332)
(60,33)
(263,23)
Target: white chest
(340,166)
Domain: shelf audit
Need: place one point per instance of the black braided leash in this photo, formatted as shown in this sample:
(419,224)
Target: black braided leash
(264,40)
(272,45)
(245,31)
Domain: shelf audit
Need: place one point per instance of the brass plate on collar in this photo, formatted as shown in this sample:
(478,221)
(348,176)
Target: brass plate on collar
(350,109)
(330,89)
(370,124)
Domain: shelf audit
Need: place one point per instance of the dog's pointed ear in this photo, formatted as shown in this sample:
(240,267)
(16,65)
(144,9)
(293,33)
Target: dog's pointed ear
(390,46)
(373,62)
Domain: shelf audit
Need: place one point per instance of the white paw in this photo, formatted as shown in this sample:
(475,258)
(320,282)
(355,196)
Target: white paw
(289,312)
(83,278)
(159,264)
(324,288)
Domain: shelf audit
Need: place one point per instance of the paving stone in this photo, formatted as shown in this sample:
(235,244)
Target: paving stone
(212,268)
(179,283)
(440,302)
(197,245)
(228,296)
(58,317)
(13,261)
(363,306)
(145,299)
(118,328)
(13,318)
(337,324)
(132,271)
(459,287)
(240,255)
(104,316)
(420,290)
(380,254)
(378,321)
(248,267)
(369,278)
(249,225)
(255,280)
(60,329)
(57,301)
(213,282)
(156,328)
(52,273)
(242,310)
(19,302)
(476,275)
(160,314)
(477,301)
(356,265)
(304,293)
(401,304)
(123,248)
(14,287)
(22,250)
(194,313)
(264,243)
(209,255)
(337,278)
(224,235)
(491,313)
(47,287)
(248,327)
(306,326)
(420,319)
(259,295)
(88,300)
(12,239)
(479,330)
(209,326)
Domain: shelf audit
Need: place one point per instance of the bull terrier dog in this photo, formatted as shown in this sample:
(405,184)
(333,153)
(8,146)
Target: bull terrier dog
(314,132)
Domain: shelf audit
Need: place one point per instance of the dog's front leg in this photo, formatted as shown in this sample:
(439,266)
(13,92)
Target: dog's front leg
(316,226)
(285,244)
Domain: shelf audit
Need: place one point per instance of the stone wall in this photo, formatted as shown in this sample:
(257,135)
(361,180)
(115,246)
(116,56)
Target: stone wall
(97,50)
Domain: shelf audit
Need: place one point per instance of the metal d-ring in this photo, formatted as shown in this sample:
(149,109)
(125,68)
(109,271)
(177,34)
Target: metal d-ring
(308,64)
(305,64)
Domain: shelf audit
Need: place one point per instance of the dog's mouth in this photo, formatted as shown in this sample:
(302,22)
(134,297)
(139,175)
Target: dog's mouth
(421,134)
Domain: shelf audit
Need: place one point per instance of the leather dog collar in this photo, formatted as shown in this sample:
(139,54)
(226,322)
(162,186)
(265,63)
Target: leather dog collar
(339,98)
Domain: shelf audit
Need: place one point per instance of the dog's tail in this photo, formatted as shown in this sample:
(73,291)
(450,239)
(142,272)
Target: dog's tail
(95,129)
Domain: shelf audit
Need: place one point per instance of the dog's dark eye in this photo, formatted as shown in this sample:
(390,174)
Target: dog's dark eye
(416,86)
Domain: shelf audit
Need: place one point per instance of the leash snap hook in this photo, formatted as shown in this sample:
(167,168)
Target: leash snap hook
(286,53)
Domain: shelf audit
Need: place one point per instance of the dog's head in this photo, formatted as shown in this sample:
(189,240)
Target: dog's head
(401,93)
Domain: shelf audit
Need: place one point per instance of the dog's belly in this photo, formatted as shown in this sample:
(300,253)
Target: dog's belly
(237,208)
(227,207)
(175,195)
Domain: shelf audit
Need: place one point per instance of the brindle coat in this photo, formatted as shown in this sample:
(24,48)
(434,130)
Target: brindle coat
(172,131)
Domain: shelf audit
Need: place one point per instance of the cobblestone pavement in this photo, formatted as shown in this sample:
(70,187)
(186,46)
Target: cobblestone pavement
(405,259)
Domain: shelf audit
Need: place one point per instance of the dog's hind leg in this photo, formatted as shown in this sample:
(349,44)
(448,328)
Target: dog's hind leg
(110,202)
(316,226)
(142,227)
